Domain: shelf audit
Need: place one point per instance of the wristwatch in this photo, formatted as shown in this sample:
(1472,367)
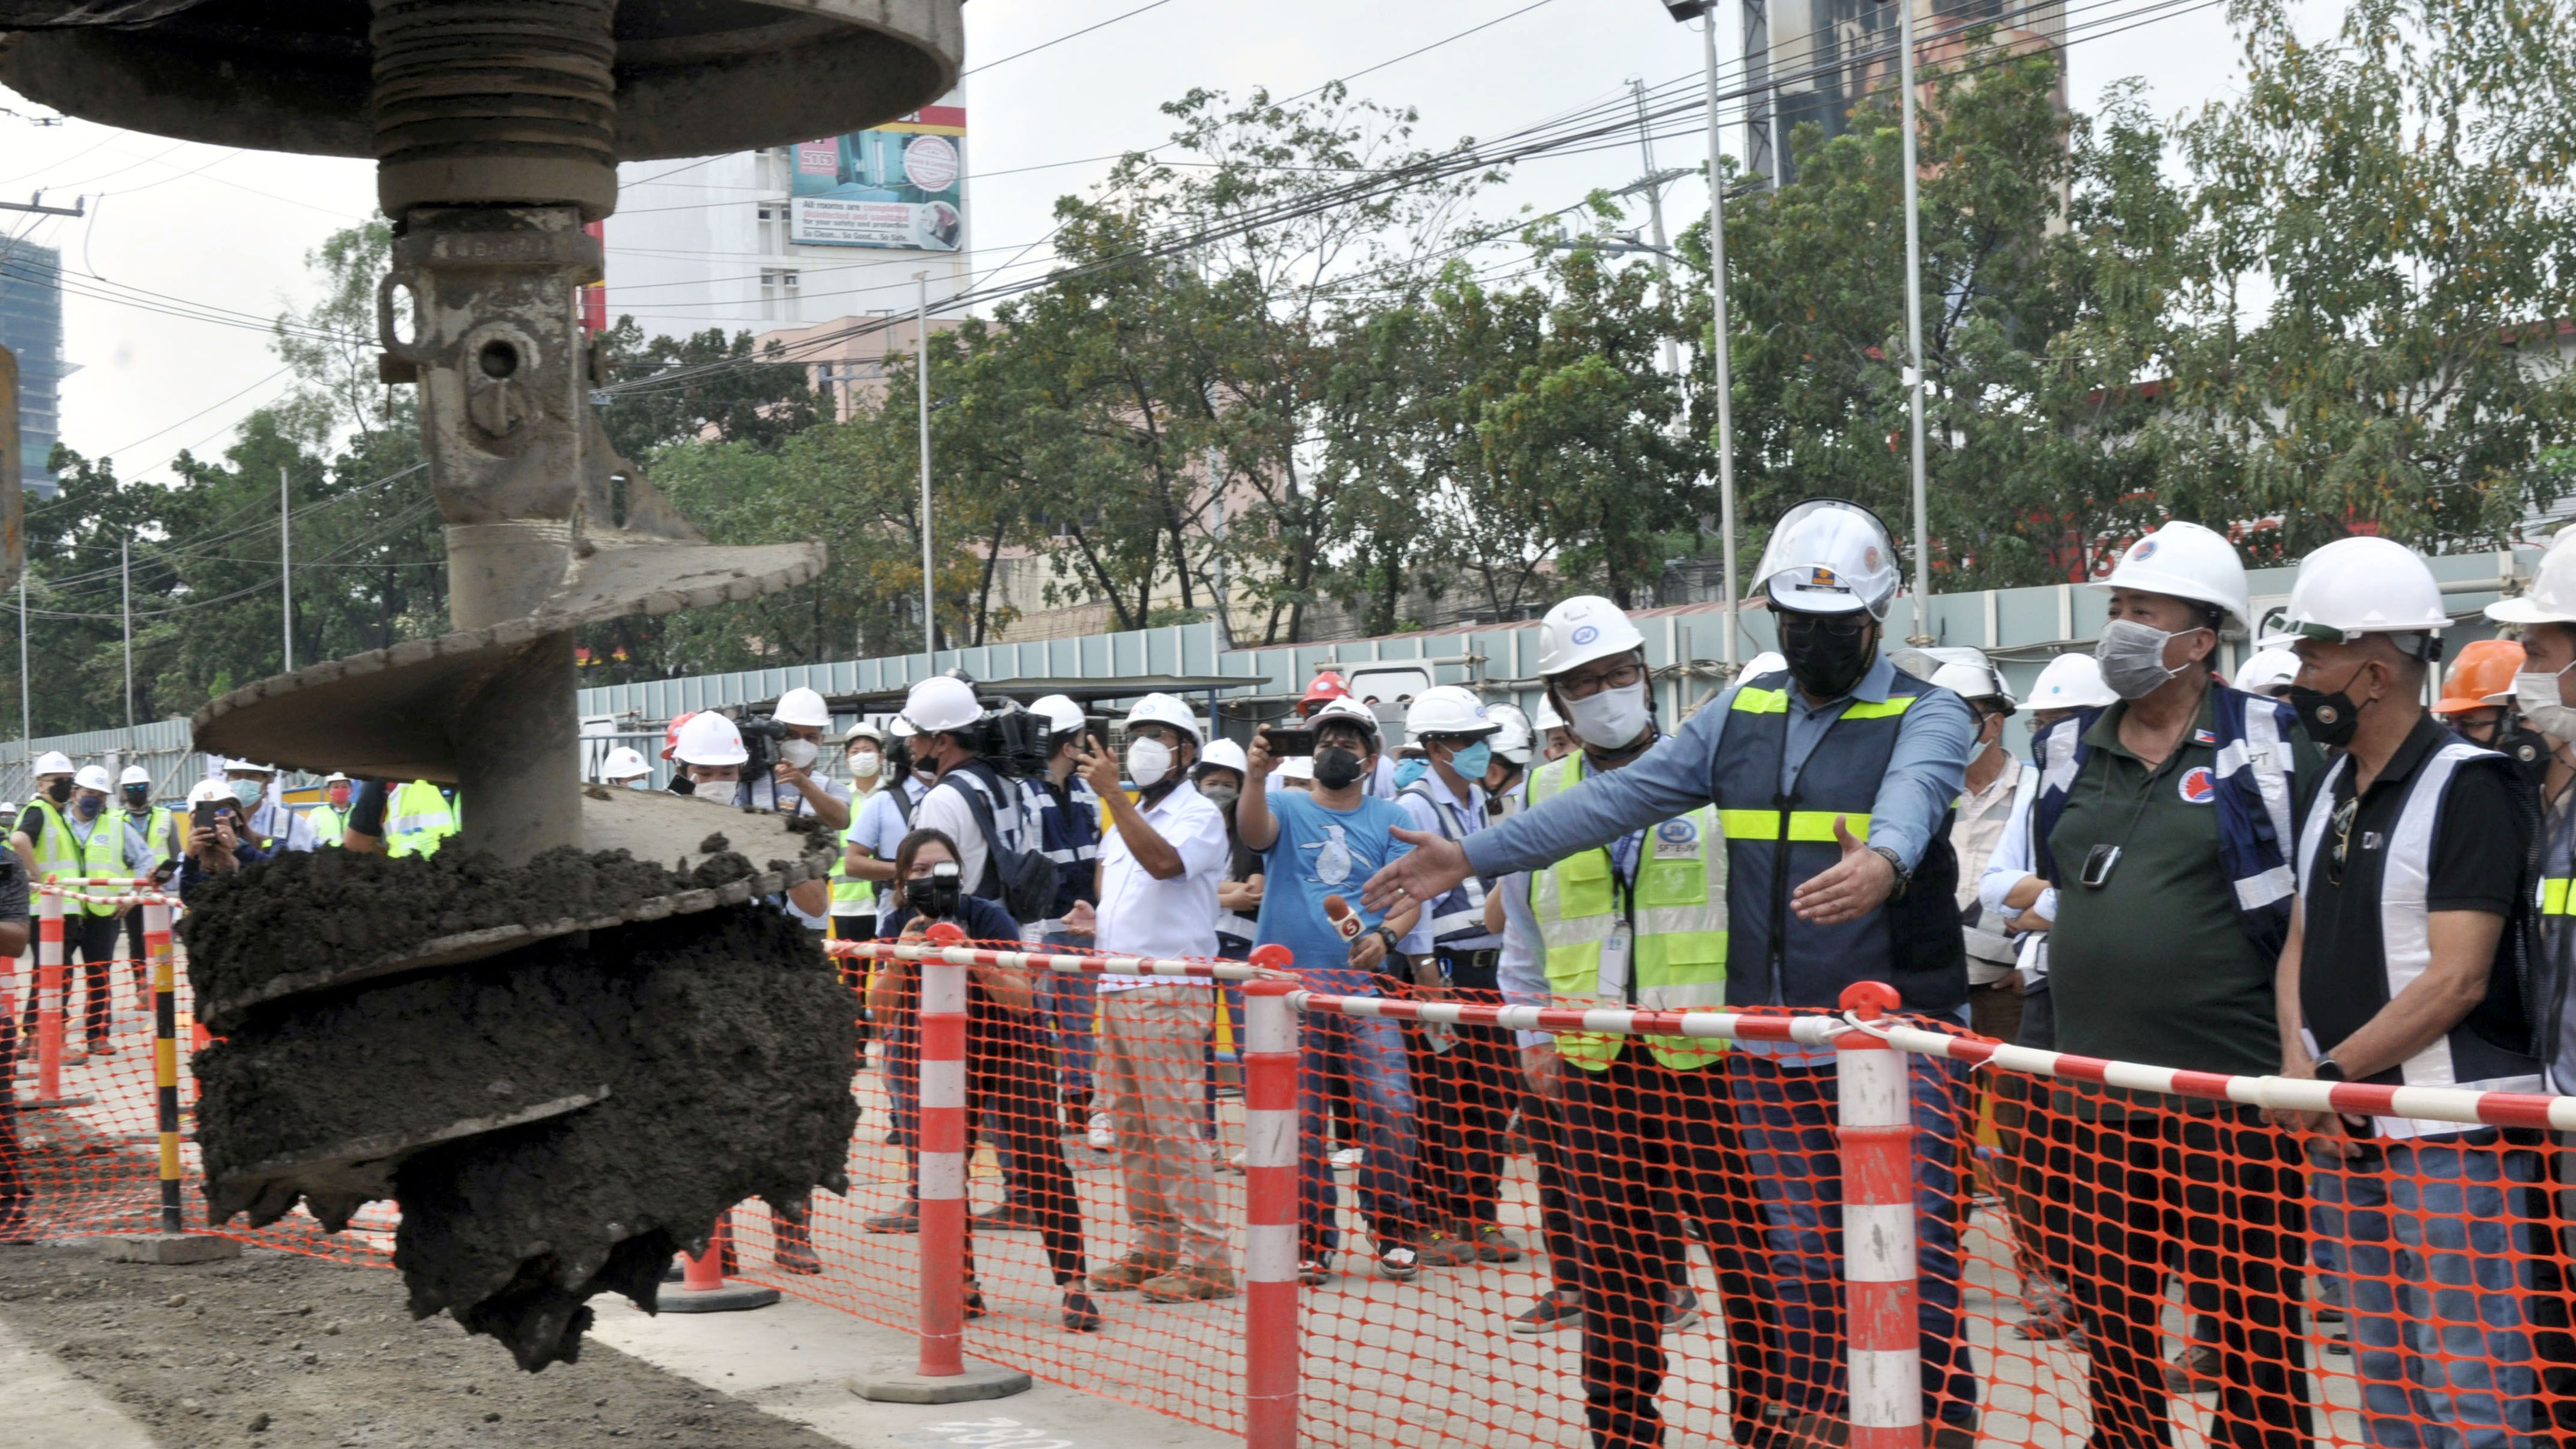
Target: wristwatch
(2327,1069)
(1904,877)
(1389,937)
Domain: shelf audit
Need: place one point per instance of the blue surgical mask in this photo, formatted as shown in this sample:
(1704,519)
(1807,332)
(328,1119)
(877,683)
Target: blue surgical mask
(1471,761)
(248,792)
(1408,771)
(88,806)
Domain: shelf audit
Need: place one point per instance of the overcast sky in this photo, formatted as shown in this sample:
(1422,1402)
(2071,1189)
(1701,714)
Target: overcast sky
(227,230)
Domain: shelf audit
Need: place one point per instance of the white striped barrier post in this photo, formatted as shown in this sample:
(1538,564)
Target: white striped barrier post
(49,998)
(1874,1126)
(942,1375)
(1270,1334)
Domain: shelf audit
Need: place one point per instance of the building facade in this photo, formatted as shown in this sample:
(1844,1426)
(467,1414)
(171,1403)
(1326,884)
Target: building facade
(31,326)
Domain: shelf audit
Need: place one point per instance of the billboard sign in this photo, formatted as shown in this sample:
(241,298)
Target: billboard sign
(900,185)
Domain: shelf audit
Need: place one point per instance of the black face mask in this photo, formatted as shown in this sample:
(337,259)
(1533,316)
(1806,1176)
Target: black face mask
(1337,769)
(137,796)
(2329,719)
(1827,653)
(2528,749)
(60,792)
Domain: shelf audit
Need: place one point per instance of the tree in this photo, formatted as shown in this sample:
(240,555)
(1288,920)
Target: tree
(758,402)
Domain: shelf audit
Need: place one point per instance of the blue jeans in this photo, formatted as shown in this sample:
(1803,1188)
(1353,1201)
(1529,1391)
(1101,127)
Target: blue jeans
(1367,1054)
(2437,1246)
(1066,997)
(1786,1115)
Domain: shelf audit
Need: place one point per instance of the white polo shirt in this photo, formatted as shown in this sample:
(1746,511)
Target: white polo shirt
(1142,916)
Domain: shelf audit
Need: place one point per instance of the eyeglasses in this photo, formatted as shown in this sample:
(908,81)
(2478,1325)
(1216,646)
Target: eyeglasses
(1837,626)
(2343,818)
(1624,675)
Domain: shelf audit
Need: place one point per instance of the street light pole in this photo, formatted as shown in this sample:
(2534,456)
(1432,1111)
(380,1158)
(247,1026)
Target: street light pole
(1914,330)
(125,573)
(285,567)
(1718,320)
(929,620)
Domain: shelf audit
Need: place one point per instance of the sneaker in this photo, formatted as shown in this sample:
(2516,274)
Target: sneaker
(797,1258)
(1681,1311)
(1099,1135)
(1130,1273)
(905,1219)
(1493,1245)
(1349,1157)
(1398,1261)
(1192,1283)
(1233,1164)
(1440,1249)
(2196,1372)
(1081,1315)
(1311,1271)
(1548,1315)
(1008,1217)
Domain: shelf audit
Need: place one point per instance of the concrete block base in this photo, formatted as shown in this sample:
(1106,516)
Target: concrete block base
(167,1249)
(904,1383)
(731,1298)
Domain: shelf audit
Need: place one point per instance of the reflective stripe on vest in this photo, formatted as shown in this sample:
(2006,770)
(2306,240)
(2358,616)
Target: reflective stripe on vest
(328,824)
(1815,826)
(851,896)
(61,853)
(155,828)
(419,821)
(2553,896)
(1677,954)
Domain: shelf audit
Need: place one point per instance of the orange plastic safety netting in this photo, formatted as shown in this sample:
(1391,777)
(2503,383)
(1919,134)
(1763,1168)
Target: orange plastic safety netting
(2147,1264)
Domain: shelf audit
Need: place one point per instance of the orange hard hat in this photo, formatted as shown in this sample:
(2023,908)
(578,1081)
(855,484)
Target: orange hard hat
(1327,686)
(2484,668)
(671,733)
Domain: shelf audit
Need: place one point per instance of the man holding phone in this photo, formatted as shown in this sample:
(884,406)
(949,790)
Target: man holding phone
(217,842)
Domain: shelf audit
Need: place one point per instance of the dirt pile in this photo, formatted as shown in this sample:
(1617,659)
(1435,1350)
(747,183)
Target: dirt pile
(715,1050)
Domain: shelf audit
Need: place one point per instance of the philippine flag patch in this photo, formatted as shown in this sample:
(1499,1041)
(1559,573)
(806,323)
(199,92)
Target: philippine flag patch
(2204,737)
(2197,787)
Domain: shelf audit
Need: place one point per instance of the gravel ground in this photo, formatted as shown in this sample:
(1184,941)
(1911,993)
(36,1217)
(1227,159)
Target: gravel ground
(286,1352)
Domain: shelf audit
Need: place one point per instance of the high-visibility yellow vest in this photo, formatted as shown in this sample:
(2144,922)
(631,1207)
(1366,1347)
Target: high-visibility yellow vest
(1676,920)
(156,833)
(418,820)
(62,854)
(328,824)
(852,896)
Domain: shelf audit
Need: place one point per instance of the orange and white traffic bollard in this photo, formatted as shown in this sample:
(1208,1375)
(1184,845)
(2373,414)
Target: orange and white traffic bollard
(1874,1126)
(1271,1354)
(49,997)
(703,1288)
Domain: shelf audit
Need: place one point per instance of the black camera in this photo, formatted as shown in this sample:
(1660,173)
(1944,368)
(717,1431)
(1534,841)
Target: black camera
(1012,740)
(761,737)
(935,899)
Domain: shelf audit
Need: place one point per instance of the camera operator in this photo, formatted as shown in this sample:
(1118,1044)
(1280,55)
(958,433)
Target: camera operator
(944,714)
(709,752)
(217,843)
(1006,1054)
(792,787)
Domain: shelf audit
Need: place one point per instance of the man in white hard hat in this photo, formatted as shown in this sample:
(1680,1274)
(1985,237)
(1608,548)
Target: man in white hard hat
(1067,810)
(1467,1091)
(1986,809)
(1514,744)
(160,830)
(626,768)
(1555,738)
(82,837)
(709,751)
(794,786)
(2405,967)
(2163,827)
(2267,672)
(1853,881)
(1159,870)
(947,721)
(330,818)
(272,824)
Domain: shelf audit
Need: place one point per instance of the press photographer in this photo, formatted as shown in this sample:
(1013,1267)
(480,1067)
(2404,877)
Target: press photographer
(782,749)
(709,751)
(975,754)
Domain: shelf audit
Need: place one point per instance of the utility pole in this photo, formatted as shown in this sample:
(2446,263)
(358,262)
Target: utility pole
(1718,318)
(26,687)
(1655,211)
(929,620)
(285,568)
(125,575)
(1922,635)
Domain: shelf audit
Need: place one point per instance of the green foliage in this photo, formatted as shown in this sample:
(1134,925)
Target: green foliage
(761,404)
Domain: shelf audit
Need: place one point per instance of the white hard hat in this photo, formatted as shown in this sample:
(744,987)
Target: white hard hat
(1447,709)
(1299,767)
(1165,709)
(2357,586)
(2184,561)
(1769,661)
(135,775)
(1827,556)
(1547,718)
(94,777)
(1963,671)
(2551,599)
(802,706)
(901,728)
(864,731)
(2266,670)
(940,704)
(624,763)
(1349,709)
(1225,755)
(1581,629)
(336,778)
(52,762)
(1062,715)
(708,738)
(2071,681)
(1512,732)
(207,792)
(250,767)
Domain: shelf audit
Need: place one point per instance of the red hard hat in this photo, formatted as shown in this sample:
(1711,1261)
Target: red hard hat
(671,734)
(1327,686)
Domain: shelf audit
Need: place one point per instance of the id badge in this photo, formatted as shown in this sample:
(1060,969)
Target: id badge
(1613,980)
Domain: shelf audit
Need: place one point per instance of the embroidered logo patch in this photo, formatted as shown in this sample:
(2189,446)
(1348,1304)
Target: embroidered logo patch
(2197,788)
(2145,550)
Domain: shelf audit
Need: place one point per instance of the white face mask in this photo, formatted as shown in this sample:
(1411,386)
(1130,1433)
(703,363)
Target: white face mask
(2536,695)
(1610,719)
(1148,761)
(799,753)
(865,765)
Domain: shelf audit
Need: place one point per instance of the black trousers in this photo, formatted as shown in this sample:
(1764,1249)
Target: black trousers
(1012,1092)
(1467,1097)
(2215,1197)
(1640,1137)
(89,944)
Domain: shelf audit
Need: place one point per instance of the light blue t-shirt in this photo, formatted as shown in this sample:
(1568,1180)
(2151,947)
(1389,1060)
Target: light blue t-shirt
(1323,852)
(879,827)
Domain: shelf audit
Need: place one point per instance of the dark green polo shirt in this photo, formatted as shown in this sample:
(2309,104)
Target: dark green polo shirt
(2153,967)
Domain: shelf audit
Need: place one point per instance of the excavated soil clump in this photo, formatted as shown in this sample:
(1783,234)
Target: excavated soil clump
(724,1040)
